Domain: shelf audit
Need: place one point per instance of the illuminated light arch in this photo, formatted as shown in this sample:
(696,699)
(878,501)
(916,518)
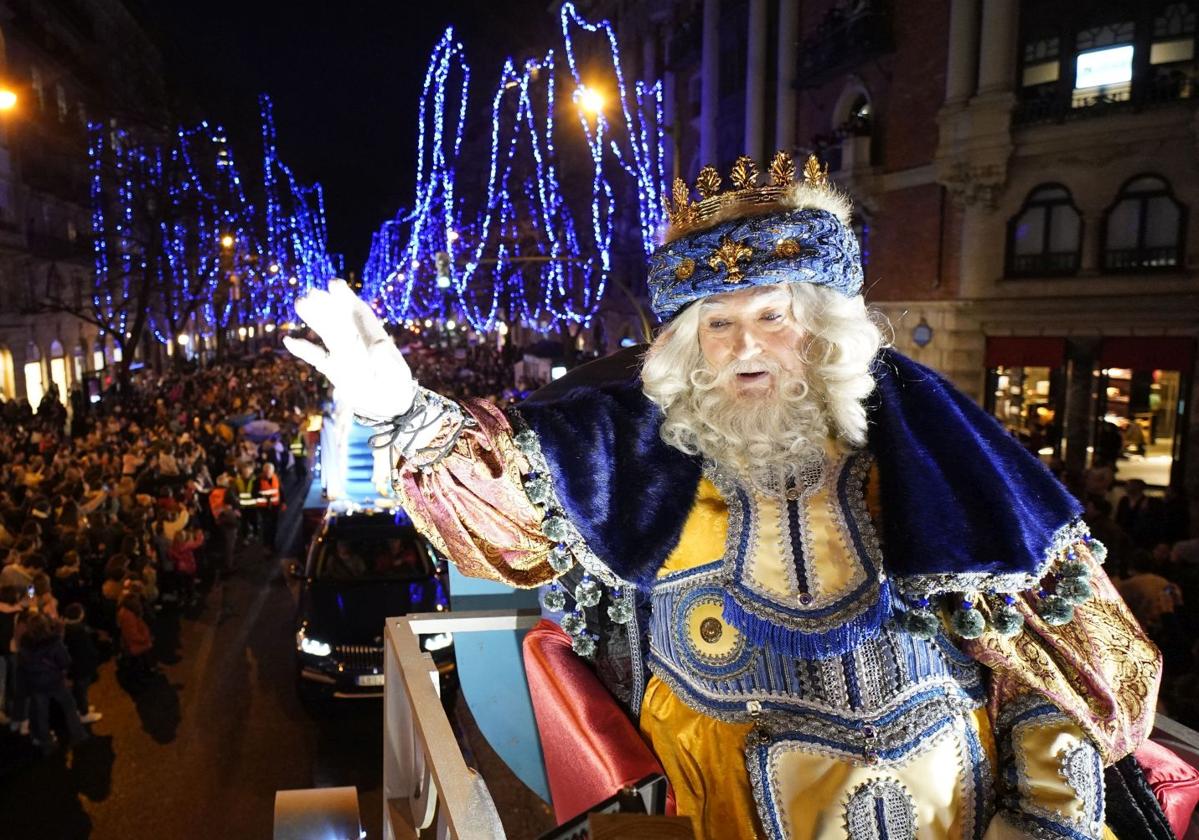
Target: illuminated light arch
(456,255)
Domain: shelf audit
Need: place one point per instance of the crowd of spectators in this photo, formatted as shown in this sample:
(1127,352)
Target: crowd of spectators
(1154,563)
(478,370)
(116,511)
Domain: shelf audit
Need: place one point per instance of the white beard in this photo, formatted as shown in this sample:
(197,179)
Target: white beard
(765,438)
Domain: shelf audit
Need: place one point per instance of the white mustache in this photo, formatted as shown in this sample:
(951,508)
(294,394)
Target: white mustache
(738,366)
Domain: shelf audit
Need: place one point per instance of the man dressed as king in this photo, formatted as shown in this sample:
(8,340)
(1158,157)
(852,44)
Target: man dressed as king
(831,593)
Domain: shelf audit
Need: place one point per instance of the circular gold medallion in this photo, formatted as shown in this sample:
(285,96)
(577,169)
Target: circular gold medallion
(686,268)
(710,630)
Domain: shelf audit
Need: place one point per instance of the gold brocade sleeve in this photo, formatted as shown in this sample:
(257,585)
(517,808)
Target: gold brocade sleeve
(472,506)
(1100,669)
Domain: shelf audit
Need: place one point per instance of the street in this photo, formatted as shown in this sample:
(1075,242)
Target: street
(201,751)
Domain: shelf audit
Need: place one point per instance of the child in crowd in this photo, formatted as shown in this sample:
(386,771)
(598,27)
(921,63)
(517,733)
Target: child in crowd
(137,643)
(42,661)
(183,558)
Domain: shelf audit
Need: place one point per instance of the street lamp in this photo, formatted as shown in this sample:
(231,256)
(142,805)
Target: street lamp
(8,99)
(590,100)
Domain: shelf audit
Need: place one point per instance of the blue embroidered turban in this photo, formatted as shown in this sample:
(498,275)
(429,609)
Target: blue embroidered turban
(807,245)
(787,230)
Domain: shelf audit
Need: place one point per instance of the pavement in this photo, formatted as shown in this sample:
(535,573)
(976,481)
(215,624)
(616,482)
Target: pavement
(200,751)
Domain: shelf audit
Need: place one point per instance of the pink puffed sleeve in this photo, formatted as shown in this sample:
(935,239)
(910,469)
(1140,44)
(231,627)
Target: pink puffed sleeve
(471,503)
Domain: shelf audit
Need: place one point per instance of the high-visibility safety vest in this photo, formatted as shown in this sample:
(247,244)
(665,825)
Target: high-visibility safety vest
(268,488)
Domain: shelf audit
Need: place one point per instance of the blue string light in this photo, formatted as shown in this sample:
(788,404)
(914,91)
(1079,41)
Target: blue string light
(175,214)
(514,249)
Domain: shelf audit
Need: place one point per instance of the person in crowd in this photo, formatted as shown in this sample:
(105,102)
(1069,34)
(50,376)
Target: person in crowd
(228,525)
(244,486)
(10,610)
(142,570)
(270,492)
(137,642)
(70,587)
(44,601)
(114,577)
(183,559)
(80,642)
(21,571)
(43,662)
(1120,547)
(1153,599)
(1138,514)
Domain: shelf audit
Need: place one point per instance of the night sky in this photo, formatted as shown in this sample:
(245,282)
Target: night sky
(345,77)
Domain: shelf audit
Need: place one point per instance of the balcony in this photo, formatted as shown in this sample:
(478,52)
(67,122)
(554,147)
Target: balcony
(842,40)
(1049,263)
(1142,259)
(1059,105)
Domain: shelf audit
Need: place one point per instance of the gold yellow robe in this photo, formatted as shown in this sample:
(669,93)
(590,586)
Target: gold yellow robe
(471,506)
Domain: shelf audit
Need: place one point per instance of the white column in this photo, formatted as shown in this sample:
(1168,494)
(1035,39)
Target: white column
(997,55)
(710,79)
(755,80)
(963,50)
(784,126)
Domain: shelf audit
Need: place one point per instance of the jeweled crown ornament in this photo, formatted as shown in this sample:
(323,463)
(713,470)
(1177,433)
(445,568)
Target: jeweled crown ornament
(793,227)
(747,197)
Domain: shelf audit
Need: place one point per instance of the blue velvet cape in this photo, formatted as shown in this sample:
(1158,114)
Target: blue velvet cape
(964,505)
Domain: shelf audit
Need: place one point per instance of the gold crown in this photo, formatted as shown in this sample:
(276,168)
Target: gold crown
(746,198)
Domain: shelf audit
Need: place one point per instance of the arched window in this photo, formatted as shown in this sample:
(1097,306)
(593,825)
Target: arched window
(1045,237)
(1144,228)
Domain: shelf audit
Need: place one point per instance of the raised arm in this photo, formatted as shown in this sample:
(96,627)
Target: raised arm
(455,468)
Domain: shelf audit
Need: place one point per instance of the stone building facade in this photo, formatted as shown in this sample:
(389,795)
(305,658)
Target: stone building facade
(1024,175)
(69,63)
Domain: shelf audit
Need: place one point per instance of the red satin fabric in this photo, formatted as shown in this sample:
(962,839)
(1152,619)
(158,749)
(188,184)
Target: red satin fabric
(1174,782)
(591,747)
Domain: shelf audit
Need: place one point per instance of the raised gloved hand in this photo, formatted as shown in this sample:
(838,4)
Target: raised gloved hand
(361,360)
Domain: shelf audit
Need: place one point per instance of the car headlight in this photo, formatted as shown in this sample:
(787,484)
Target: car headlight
(440,641)
(315,647)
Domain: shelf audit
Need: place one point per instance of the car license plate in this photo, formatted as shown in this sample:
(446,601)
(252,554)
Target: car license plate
(370,679)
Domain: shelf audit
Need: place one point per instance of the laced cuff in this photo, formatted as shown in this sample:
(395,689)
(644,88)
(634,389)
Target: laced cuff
(420,434)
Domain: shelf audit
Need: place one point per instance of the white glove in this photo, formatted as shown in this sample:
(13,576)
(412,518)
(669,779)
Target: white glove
(361,361)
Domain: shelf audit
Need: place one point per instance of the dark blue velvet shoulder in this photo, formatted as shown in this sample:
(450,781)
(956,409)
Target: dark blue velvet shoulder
(960,496)
(622,486)
(964,505)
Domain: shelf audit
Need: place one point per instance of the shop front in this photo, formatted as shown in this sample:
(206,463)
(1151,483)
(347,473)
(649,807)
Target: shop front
(1026,389)
(1141,388)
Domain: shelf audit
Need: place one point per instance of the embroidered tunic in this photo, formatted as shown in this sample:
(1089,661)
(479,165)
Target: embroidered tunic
(845,743)
(770,635)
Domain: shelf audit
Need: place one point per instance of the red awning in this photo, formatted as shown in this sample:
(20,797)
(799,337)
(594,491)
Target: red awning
(1161,353)
(1025,351)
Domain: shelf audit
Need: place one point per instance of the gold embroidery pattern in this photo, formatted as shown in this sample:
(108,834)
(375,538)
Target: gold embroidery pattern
(472,505)
(1112,698)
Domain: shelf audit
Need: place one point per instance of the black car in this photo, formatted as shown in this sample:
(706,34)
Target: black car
(363,566)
